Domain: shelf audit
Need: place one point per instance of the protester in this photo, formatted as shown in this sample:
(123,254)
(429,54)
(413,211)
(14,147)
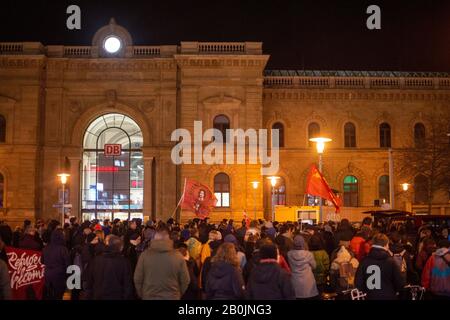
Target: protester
(427,248)
(56,259)
(161,272)
(29,241)
(379,263)
(322,259)
(110,276)
(225,281)
(436,273)
(5,285)
(268,281)
(193,290)
(302,264)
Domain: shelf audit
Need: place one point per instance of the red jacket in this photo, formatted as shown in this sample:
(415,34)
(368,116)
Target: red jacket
(436,273)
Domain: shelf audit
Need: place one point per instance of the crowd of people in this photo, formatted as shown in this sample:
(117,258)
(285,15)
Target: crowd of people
(255,260)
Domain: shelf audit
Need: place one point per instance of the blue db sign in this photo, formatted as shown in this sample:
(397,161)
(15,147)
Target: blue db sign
(112,150)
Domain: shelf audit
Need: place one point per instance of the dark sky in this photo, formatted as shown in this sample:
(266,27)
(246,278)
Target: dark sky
(298,34)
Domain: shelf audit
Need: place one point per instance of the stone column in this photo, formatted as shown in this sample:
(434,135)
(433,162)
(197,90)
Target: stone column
(74,183)
(148,187)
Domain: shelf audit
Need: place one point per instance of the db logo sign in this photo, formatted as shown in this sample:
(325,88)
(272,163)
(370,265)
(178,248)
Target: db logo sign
(113,150)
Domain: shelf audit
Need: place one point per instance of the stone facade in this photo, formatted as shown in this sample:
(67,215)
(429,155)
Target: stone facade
(50,95)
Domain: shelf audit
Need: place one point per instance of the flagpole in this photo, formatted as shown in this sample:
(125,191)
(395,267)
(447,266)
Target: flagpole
(181,199)
(320,206)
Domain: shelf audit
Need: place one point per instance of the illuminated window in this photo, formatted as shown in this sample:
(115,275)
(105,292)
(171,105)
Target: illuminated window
(279,192)
(222,189)
(350,191)
(112,185)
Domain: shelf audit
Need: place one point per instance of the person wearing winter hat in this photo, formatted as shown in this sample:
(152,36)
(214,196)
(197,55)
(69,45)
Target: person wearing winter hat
(302,264)
(267,280)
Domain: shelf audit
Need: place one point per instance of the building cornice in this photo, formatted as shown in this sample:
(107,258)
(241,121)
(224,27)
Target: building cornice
(346,94)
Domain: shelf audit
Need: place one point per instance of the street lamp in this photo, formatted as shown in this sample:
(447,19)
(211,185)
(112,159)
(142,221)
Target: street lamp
(405,186)
(255,186)
(320,147)
(63,178)
(273,183)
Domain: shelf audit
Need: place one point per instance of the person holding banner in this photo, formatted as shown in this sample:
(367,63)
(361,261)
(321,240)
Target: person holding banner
(5,284)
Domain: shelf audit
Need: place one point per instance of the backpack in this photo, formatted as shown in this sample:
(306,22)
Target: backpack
(346,272)
(400,261)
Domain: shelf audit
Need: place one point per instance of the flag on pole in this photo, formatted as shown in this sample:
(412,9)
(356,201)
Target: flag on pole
(316,185)
(246,219)
(197,198)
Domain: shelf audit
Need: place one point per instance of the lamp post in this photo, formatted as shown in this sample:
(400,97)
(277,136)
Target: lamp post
(255,186)
(320,147)
(273,183)
(405,186)
(63,178)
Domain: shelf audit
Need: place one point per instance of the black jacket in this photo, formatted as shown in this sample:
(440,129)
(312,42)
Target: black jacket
(224,282)
(109,278)
(391,280)
(268,281)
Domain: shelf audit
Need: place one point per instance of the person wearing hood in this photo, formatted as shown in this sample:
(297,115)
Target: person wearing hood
(109,277)
(379,259)
(268,281)
(29,241)
(230,238)
(302,264)
(343,266)
(56,259)
(322,261)
(402,258)
(436,273)
(225,280)
(358,241)
(194,245)
(161,272)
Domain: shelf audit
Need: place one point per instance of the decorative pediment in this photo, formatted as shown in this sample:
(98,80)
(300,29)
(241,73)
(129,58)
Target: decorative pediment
(222,101)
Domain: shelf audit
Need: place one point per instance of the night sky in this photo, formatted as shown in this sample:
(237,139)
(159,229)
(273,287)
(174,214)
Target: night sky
(298,34)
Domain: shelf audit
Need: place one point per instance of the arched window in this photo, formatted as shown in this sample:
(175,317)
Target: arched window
(385,135)
(279,192)
(383,188)
(280,127)
(2,191)
(350,191)
(222,123)
(113,169)
(349,135)
(2,128)
(222,189)
(419,135)
(313,132)
(420,189)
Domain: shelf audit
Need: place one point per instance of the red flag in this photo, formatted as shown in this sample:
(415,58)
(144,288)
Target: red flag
(197,198)
(316,185)
(26,272)
(247,219)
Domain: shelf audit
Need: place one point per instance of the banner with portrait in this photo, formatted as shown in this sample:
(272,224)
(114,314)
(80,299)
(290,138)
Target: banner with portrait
(197,198)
